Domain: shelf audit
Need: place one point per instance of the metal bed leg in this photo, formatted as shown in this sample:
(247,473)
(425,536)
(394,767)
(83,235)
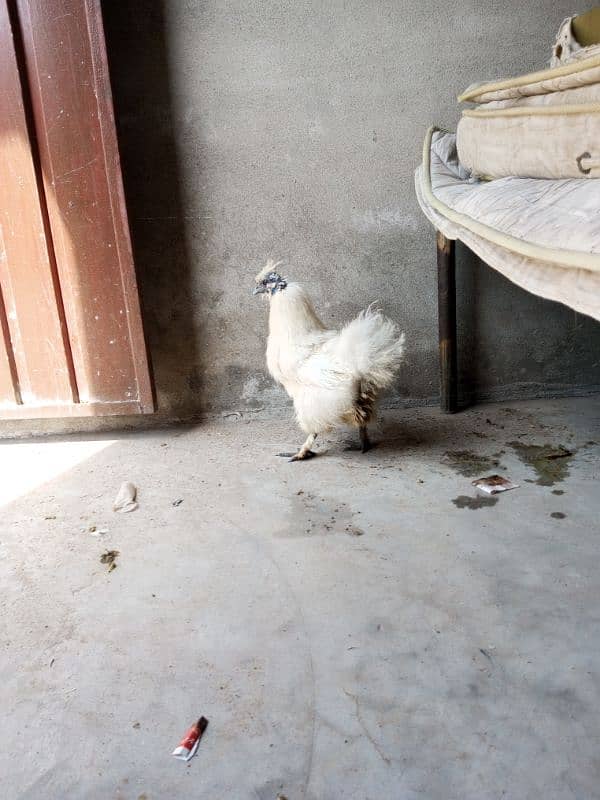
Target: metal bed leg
(446,263)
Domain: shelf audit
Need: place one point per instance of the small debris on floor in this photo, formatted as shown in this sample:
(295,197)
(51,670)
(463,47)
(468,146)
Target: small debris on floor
(51,516)
(495,424)
(94,530)
(125,500)
(110,558)
(494,484)
(353,530)
(177,502)
(188,746)
(558,515)
(232,415)
(561,452)
(136,725)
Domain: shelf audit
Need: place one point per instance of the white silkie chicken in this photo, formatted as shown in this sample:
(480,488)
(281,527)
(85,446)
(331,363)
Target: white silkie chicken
(333,377)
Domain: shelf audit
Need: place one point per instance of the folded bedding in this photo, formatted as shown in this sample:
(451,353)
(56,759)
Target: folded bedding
(541,125)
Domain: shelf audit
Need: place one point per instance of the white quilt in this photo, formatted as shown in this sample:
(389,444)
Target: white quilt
(542,125)
(543,235)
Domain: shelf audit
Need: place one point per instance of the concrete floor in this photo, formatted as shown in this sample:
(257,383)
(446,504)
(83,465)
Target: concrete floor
(348,629)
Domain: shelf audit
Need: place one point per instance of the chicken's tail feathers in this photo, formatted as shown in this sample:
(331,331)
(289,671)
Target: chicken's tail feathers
(372,347)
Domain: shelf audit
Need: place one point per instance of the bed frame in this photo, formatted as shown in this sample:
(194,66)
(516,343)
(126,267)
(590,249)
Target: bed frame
(446,263)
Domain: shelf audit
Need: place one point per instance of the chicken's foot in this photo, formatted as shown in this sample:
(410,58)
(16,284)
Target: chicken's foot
(305,452)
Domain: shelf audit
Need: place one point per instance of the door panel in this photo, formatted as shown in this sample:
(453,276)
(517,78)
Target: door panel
(83,253)
(31,301)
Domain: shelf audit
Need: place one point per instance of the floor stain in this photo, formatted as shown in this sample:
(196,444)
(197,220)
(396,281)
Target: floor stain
(318,516)
(524,418)
(550,462)
(464,501)
(468,463)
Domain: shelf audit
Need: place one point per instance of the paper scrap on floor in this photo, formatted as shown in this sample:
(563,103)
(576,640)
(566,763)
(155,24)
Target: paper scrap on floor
(494,484)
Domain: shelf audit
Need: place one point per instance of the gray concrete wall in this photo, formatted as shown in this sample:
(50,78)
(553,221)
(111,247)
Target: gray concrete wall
(251,129)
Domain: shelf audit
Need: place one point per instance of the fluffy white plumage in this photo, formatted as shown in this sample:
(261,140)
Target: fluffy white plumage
(333,376)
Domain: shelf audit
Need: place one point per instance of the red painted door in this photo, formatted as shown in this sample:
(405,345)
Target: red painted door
(71,338)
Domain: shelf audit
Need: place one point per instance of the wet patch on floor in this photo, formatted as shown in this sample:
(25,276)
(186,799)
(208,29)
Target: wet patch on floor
(550,462)
(470,464)
(473,503)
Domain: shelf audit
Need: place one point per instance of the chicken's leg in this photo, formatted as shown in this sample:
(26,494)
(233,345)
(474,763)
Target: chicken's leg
(305,452)
(365,442)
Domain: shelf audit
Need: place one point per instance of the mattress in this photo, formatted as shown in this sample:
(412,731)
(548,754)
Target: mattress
(544,235)
(542,125)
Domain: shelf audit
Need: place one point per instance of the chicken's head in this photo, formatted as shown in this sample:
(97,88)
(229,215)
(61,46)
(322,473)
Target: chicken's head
(268,280)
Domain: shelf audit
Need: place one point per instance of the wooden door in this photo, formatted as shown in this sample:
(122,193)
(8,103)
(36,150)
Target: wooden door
(71,338)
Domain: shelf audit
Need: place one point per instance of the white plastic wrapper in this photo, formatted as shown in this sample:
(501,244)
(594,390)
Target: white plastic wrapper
(126,498)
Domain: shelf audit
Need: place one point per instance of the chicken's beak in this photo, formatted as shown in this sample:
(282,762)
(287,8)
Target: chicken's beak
(260,289)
